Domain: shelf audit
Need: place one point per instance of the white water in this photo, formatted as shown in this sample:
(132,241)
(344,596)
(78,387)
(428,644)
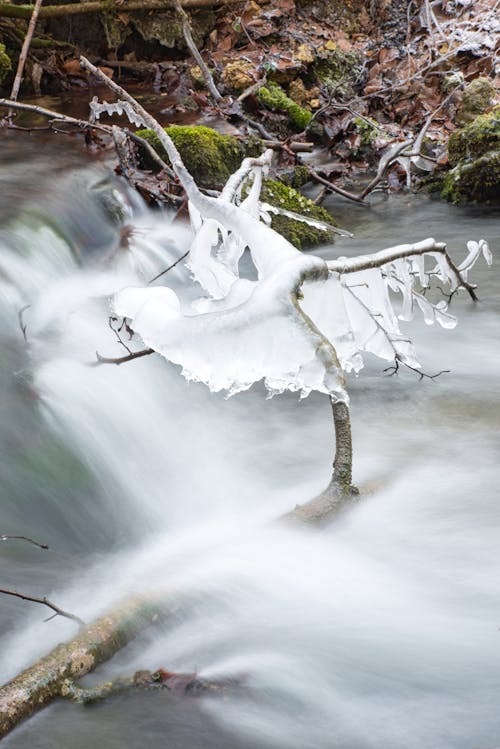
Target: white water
(380,631)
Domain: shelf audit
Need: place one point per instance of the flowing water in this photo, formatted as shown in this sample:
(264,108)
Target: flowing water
(381,630)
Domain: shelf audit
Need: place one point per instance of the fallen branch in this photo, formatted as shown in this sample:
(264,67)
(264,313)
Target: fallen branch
(334,188)
(24,51)
(57,11)
(34,688)
(44,601)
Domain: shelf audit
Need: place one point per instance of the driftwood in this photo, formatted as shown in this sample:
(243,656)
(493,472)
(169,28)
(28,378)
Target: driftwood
(57,11)
(25,48)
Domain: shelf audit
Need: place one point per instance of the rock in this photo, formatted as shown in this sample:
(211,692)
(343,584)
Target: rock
(300,234)
(273,97)
(476,99)
(239,75)
(474,155)
(209,156)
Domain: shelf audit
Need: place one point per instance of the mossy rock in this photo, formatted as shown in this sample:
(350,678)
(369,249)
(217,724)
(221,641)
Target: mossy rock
(273,97)
(477,181)
(338,70)
(209,156)
(474,155)
(477,98)
(476,139)
(5,63)
(300,234)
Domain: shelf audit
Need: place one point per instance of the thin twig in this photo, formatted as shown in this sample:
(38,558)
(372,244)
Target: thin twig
(394,370)
(169,267)
(6,537)
(45,602)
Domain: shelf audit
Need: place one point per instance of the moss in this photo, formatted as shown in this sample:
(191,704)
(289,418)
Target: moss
(476,99)
(367,128)
(298,233)
(209,156)
(474,155)
(273,97)
(477,181)
(476,139)
(338,70)
(5,63)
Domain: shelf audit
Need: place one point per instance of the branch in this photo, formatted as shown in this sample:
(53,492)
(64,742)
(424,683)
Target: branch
(55,11)
(334,188)
(394,370)
(45,602)
(186,30)
(39,684)
(4,537)
(121,359)
(24,51)
(159,275)
(377,259)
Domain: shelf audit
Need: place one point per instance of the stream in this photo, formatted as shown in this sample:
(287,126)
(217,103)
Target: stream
(381,630)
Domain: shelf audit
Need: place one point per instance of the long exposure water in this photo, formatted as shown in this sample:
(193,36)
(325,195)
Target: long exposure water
(381,630)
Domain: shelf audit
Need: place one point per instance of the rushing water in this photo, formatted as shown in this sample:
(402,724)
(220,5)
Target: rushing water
(379,631)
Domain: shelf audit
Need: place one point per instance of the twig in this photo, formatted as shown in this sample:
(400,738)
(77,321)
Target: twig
(394,369)
(5,537)
(169,267)
(45,602)
(186,30)
(121,359)
(22,324)
(24,52)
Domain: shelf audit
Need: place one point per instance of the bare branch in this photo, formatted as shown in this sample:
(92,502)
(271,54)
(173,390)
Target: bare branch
(24,52)
(186,30)
(121,359)
(45,602)
(334,188)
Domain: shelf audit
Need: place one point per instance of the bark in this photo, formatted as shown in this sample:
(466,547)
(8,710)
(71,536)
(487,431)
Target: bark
(48,678)
(56,11)
(186,30)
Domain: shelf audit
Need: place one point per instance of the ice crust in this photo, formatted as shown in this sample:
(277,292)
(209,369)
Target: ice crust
(304,321)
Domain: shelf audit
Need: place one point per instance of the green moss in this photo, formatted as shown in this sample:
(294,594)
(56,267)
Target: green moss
(5,63)
(298,233)
(474,155)
(273,97)
(209,156)
(367,128)
(477,181)
(476,139)
(339,70)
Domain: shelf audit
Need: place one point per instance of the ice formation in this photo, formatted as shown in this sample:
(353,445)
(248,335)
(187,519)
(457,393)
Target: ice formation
(304,321)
